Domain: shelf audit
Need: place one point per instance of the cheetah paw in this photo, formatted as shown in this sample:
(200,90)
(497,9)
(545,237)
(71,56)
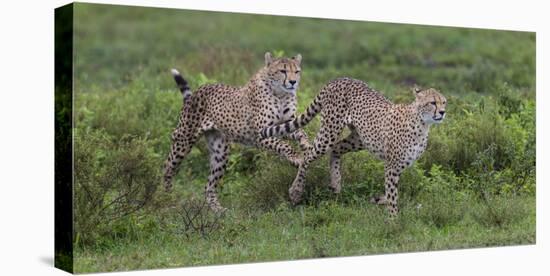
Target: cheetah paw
(380,200)
(217,208)
(335,188)
(168,189)
(295,196)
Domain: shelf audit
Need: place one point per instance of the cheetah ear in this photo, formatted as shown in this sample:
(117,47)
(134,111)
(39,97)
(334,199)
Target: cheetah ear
(268,58)
(298,58)
(416,89)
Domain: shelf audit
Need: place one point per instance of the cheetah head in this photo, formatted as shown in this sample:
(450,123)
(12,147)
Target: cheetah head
(283,73)
(430,104)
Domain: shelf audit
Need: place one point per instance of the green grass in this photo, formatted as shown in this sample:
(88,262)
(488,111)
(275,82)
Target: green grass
(329,230)
(473,187)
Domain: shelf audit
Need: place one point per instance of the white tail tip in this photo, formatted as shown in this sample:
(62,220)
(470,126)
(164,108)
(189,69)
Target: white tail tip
(175,72)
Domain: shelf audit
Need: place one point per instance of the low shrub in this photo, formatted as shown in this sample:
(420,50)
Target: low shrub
(269,184)
(114,178)
(457,143)
(439,202)
(192,216)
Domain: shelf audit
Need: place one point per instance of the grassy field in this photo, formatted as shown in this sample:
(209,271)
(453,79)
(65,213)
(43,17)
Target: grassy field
(473,187)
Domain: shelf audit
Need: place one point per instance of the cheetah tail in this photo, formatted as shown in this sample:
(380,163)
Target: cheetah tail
(291,126)
(182,84)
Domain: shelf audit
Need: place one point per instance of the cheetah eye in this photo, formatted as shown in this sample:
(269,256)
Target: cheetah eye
(433,103)
(283,71)
(297,72)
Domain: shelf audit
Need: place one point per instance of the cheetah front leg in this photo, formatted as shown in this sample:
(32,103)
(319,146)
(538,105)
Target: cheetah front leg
(280,147)
(349,144)
(218,148)
(391,175)
(301,137)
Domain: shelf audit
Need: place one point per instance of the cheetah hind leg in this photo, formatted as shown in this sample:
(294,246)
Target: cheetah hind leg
(349,144)
(181,146)
(218,148)
(323,143)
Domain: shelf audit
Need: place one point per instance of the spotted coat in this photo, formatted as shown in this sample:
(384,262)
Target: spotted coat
(225,114)
(395,133)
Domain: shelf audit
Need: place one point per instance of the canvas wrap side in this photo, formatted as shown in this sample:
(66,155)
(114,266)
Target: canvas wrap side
(63,138)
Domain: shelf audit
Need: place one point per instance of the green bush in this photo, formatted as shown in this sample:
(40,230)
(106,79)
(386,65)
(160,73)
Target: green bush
(457,142)
(268,186)
(134,111)
(440,201)
(114,178)
(362,177)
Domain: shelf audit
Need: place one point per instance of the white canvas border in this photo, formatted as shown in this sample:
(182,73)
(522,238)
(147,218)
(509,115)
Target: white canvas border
(26,111)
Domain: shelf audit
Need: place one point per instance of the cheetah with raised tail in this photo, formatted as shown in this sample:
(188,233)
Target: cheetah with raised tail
(227,114)
(395,133)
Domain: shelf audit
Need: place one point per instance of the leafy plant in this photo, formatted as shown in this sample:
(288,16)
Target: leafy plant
(114,179)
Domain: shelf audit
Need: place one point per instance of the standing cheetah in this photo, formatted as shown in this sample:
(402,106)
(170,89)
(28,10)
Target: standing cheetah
(226,114)
(395,133)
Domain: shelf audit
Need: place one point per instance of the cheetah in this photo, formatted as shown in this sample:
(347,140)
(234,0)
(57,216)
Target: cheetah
(395,133)
(225,114)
